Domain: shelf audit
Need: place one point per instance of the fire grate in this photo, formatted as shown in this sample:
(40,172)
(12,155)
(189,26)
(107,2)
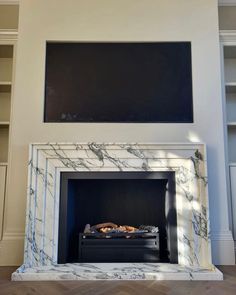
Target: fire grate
(119,247)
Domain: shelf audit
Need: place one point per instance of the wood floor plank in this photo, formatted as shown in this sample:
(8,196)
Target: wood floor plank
(226,287)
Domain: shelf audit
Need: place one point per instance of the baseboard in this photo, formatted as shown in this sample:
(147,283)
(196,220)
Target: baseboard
(12,249)
(223,248)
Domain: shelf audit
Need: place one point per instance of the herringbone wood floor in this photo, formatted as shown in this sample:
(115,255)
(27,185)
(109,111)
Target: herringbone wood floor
(226,287)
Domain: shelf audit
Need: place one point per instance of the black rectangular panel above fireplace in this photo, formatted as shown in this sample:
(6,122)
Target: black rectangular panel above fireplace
(118,82)
(138,200)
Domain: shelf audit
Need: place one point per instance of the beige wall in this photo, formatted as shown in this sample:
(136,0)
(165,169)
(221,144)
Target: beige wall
(112,20)
(9,16)
(227,17)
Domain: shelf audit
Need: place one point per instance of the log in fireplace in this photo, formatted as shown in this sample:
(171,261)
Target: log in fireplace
(117,217)
(107,242)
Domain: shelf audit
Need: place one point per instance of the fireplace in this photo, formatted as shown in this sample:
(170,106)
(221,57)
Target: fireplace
(142,200)
(73,184)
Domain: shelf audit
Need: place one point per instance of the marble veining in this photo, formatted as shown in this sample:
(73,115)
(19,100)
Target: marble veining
(48,160)
(116,271)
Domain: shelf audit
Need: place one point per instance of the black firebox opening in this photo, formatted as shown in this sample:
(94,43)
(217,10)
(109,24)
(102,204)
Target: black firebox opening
(124,198)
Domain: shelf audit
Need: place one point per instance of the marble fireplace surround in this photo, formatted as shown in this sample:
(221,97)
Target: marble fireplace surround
(48,160)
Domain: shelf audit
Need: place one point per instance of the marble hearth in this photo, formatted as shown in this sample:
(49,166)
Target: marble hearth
(46,163)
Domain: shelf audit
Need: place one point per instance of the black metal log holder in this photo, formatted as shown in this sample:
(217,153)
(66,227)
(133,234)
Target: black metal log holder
(119,247)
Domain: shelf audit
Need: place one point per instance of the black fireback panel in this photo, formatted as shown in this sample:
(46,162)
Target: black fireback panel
(120,197)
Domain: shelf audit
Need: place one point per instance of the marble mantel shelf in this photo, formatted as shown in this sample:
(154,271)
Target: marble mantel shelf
(48,160)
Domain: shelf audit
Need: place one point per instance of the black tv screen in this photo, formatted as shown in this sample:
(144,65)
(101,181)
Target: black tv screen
(118,82)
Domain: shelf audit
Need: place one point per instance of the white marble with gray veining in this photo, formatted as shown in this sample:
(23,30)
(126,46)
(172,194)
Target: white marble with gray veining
(117,271)
(47,161)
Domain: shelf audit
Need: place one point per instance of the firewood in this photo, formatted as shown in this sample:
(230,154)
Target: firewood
(130,228)
(101,225)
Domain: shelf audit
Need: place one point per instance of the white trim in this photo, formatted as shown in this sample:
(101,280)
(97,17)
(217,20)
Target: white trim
(9,2)
(227,2)
(228,37)
(222,236)
(220,2)
(8,35)
(13,235)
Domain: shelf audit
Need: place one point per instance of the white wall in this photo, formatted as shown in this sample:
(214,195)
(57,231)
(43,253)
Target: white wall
(112,20)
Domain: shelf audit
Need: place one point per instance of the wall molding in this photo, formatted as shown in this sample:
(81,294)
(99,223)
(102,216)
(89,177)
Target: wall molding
(13,235)
(8,35)
(227,2)
(228,37)
(9,2)
(220,2)
(222,236)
